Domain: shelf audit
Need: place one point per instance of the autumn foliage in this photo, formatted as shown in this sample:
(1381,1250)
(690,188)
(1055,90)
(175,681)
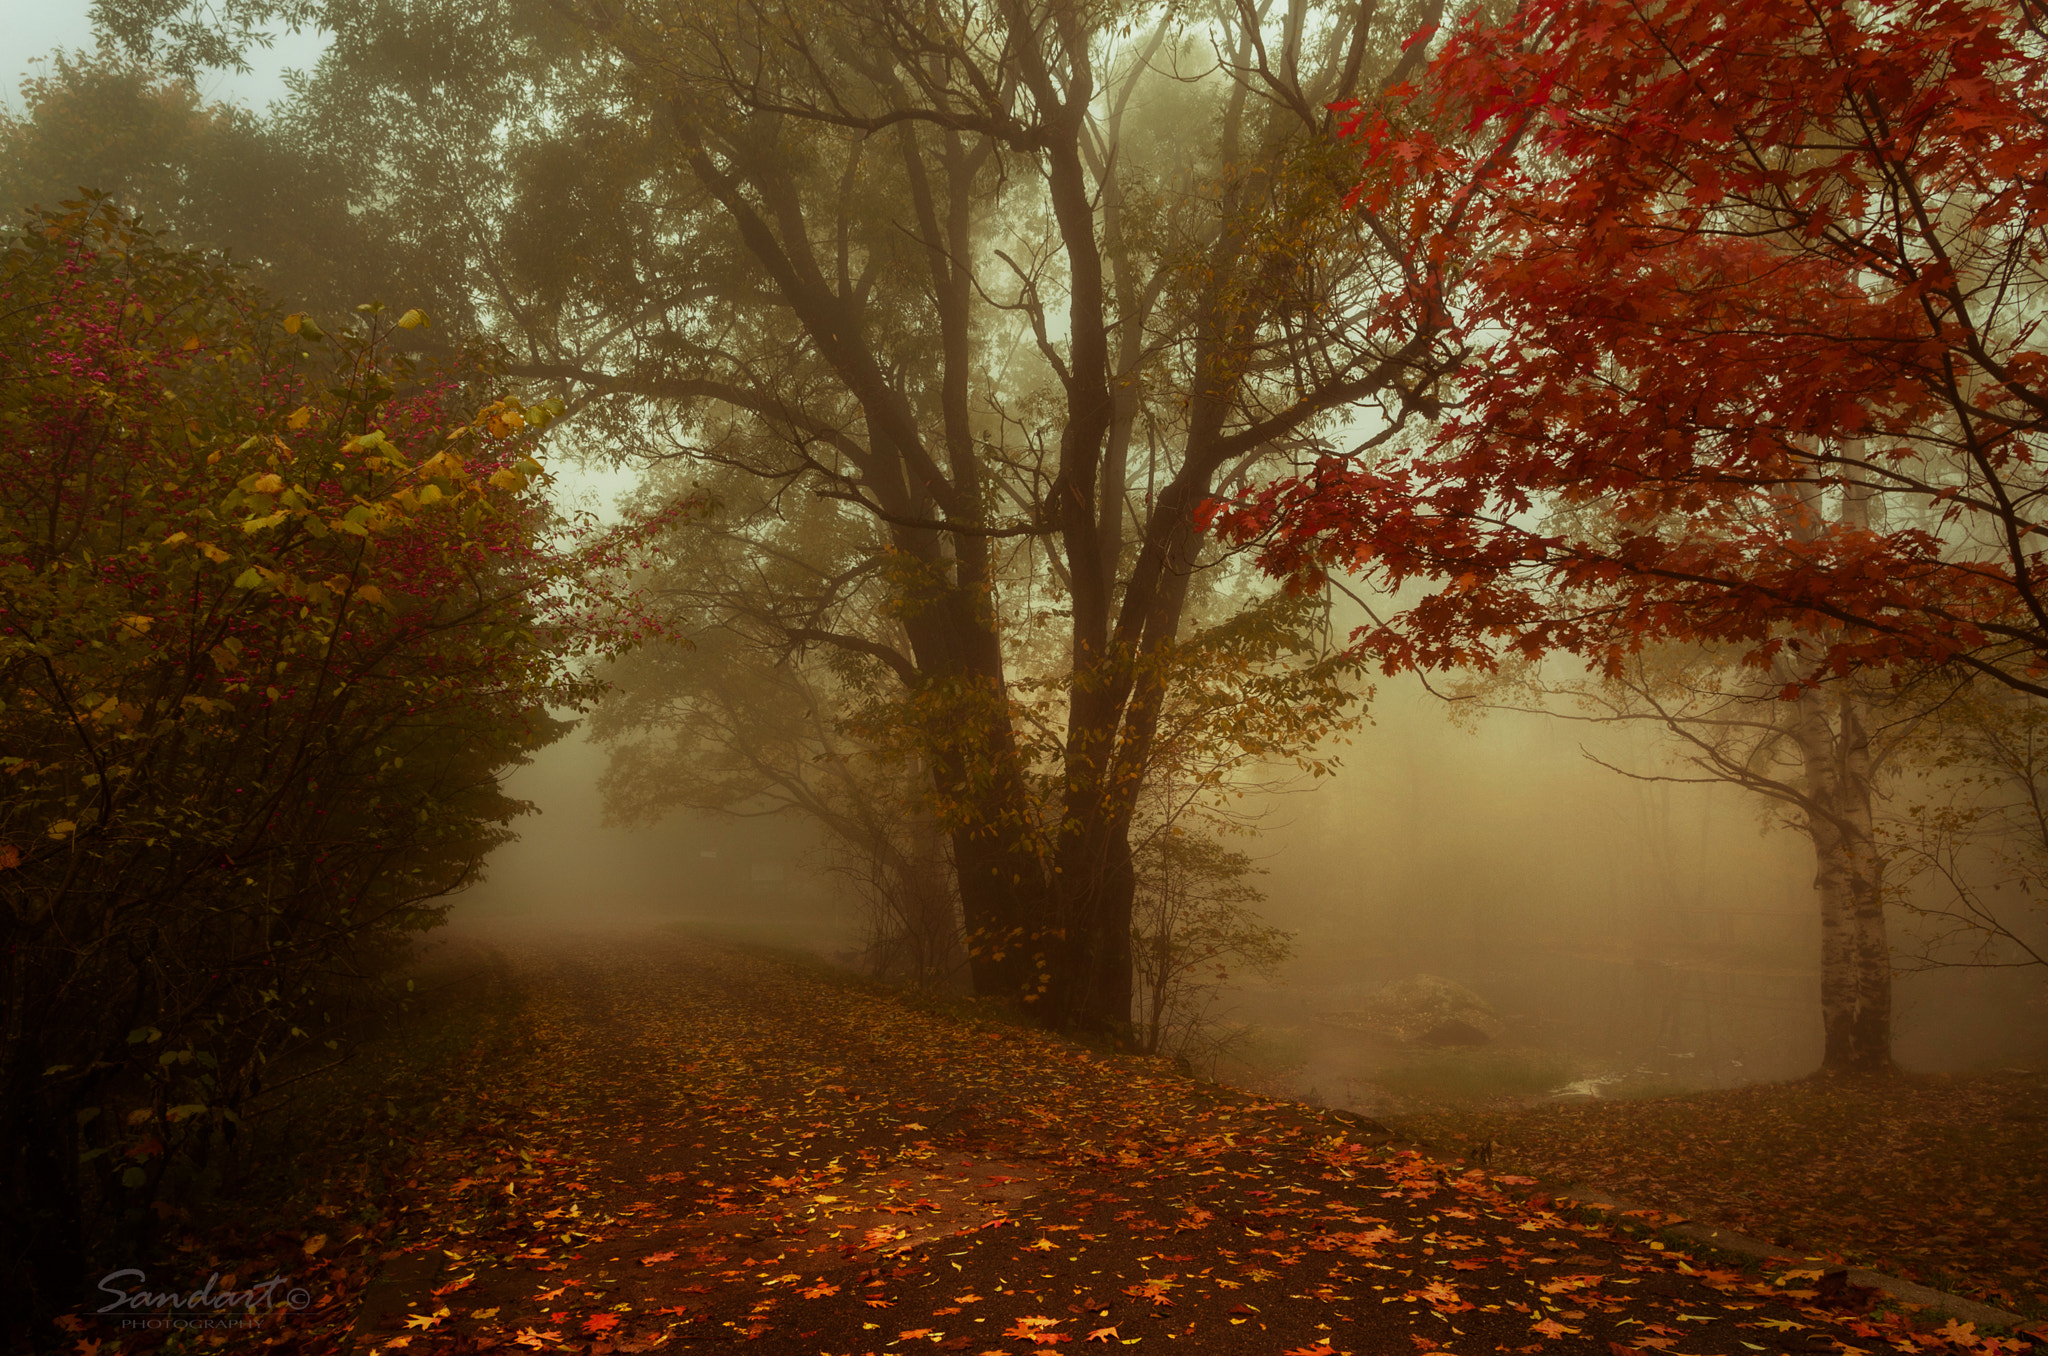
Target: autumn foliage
(1752,293)
(274,614)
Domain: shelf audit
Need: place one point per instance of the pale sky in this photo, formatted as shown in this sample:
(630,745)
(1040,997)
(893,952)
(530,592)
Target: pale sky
(29,29)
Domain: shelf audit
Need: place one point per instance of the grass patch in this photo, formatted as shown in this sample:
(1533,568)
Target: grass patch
(1476,1075)
(1938,1179)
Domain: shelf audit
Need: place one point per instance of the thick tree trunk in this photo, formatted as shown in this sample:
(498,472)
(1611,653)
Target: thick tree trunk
(1096,888)
(1002,904)
(984,800)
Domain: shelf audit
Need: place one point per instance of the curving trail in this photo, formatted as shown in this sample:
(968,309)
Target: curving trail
(698,1147)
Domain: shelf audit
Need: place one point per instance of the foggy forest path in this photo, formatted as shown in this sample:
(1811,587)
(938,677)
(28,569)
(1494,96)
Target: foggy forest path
(691,1145)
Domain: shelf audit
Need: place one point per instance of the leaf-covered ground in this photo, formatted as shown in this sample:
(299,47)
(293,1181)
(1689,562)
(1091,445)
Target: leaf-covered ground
(691,1147)
(1943,1180)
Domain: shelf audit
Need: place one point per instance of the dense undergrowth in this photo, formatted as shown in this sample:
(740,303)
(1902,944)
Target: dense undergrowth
(313,1190)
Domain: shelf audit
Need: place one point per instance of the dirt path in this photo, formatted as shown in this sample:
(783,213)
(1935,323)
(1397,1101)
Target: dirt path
(700,1147)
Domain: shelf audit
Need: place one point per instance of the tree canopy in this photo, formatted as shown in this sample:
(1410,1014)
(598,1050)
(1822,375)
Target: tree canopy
(1759,261)
(1012,290)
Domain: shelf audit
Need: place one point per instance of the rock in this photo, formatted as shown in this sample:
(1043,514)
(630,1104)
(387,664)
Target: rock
(1428,1010)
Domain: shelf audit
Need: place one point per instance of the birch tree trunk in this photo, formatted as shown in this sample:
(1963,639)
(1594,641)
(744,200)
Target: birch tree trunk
(1856,971)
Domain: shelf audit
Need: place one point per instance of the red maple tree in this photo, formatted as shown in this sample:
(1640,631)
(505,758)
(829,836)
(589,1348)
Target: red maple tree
(1752,295)
(1753,308)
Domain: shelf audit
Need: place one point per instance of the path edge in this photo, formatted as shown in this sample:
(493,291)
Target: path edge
(1727,1240)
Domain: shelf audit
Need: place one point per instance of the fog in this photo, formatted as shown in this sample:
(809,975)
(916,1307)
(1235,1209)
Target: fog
(1648,933)
(757,880)
(1634,935)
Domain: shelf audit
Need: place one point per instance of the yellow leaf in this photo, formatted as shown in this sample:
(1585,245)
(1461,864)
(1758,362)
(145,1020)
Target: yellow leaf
(299,417)
(414,319)
(213,553)
(63,828)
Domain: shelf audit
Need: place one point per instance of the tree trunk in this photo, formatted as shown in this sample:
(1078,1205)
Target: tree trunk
(1096,888)
(1856,973)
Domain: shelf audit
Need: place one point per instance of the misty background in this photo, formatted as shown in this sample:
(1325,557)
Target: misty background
(1636,936)
(1632,934)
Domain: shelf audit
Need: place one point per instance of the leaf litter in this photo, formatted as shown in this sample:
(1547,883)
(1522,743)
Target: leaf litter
(1939,1179)
(699,1146)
